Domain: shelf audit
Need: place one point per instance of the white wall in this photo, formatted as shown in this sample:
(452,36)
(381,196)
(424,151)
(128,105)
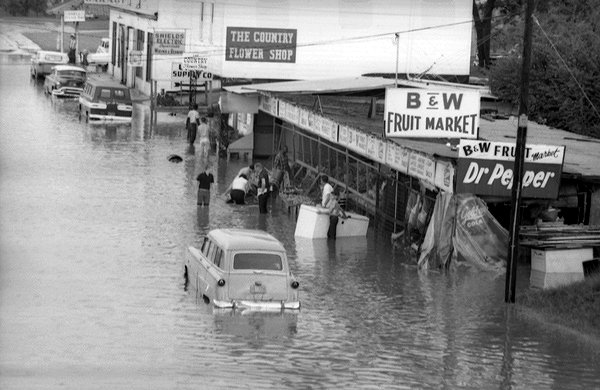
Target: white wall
(335,38)
(346,38)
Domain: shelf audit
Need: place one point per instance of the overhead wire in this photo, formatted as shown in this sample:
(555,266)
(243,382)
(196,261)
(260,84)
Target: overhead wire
(220,50)
(585,95)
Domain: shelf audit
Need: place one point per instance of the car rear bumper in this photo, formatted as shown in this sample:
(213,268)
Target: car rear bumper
(257,305)
(109,118)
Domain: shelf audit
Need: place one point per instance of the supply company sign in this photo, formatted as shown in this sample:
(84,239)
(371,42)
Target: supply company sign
(431,114)
(261,44)
(486,168)
(180,75)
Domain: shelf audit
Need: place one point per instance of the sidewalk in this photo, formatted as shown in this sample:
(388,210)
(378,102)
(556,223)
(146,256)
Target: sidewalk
(12,42)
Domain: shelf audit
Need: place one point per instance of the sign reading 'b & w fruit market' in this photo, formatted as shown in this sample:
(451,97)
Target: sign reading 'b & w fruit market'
(431,114)
(486,168)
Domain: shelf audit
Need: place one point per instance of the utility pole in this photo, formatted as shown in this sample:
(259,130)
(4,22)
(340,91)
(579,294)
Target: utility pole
(515,215)
(62,32)
(397,35)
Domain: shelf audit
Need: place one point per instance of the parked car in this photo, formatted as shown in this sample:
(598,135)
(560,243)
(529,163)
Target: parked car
(102,55)
(43,61)
(104,99)
(65,81)
(242,269)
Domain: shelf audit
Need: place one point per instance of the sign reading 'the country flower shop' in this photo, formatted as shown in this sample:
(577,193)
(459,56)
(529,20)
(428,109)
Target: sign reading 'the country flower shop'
(261,44)
(486,168)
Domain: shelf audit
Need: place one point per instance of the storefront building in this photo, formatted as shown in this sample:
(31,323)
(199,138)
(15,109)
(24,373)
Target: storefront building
(160,45)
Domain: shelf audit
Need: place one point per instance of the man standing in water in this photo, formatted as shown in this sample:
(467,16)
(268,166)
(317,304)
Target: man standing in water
(203,134)
(281,166)
(72,49)
(263,188)
(205,179)
(191,124)
(335,212)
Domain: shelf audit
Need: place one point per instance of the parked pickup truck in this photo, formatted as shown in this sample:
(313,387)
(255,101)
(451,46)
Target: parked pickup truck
(101,57)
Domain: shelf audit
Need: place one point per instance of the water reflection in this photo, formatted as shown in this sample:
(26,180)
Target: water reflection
(256,328)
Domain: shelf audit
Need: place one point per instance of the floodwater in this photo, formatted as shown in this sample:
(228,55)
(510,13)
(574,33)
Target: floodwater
(94,225)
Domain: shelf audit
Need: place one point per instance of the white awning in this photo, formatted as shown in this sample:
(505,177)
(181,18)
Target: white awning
(353,84)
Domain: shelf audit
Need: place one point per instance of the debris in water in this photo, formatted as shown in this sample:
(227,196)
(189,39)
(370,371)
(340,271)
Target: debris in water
(175,158)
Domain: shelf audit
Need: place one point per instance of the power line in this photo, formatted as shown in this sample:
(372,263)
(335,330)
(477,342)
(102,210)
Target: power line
(566,66)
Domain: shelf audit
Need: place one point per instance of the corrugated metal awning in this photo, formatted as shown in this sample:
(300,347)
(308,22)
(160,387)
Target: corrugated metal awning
(352,84)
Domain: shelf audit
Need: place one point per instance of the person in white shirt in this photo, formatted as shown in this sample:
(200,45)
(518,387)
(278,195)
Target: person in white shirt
(203,132)
(239,187)
(249,172)
(191,124)
(335,212)
(326,190)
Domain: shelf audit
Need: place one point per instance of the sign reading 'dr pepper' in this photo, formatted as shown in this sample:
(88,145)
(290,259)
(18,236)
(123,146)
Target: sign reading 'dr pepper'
(431,114)
(260,44)
(486,168)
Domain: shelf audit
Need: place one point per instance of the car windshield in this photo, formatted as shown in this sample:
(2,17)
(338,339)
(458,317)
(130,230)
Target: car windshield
(259,261)
(71,73)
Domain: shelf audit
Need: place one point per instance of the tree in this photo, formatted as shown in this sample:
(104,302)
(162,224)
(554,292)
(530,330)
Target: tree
(483,28)
(24,7)
(565,68)
(489,17)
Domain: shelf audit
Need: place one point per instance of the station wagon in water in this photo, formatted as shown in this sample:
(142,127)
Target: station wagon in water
(43,61)
(65,81)
(105,100)
(242,269)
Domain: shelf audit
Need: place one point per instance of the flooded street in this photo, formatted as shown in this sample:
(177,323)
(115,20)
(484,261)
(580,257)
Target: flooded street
(94,225)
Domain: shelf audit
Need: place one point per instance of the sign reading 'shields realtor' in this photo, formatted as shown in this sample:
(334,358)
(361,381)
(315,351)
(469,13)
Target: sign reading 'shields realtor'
(169,42)
(431,114)
(486,168)
(260,44)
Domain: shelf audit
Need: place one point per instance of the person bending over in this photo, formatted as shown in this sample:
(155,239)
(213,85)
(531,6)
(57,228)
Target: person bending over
(239,187)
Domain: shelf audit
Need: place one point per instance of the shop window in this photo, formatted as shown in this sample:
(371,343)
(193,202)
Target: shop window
(113,48)
(149,57)
(139,45)
(207,15)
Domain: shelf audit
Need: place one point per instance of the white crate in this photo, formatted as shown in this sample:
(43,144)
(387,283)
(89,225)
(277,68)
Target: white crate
(313,222)
(553,267)
(560,260)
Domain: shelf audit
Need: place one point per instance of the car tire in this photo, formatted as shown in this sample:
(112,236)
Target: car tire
(87,117)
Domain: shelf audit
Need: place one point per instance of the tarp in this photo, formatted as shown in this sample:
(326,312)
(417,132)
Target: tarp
(437,250)
(463,230)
